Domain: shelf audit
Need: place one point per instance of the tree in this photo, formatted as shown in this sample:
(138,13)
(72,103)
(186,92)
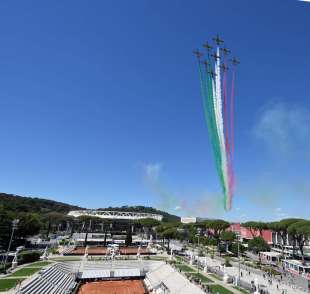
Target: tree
(255,227)
(148,225)
(258,244)
(217,227)
(300,232)
(228,237)
(52,219)
(6,219)
(169,234)
(281,227)
(128,240)
(29,225)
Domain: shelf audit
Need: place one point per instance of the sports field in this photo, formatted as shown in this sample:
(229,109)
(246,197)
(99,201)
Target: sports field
(113,287)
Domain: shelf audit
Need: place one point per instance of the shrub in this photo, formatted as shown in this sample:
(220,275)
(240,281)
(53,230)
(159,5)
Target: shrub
(227,262)
(28,256)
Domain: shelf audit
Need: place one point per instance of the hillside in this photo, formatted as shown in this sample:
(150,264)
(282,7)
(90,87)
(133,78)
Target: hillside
(18,204)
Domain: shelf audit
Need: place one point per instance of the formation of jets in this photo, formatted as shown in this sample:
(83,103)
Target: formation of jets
(218,41)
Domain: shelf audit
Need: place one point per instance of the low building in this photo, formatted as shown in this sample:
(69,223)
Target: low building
(192,219)
(296,267)
(247,234)
(271,258)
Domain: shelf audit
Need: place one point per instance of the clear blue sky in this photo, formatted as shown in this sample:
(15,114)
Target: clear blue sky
(94,94)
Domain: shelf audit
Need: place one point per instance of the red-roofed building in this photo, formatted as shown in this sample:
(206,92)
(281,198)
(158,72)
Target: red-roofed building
(246,233)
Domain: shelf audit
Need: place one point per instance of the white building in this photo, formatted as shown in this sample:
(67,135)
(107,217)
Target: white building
(192,219)
(117,215)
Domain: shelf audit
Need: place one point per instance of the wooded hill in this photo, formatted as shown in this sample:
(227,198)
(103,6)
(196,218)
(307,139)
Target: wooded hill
(19,204)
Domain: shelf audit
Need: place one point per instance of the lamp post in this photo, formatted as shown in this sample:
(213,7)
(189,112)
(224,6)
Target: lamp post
(238,240)
(198,235)
(14,227)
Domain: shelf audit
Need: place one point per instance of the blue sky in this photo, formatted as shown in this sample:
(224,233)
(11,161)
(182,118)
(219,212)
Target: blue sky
(100,104)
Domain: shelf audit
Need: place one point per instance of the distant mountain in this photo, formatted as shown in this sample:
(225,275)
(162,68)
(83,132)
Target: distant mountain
(18,204)
(167,217)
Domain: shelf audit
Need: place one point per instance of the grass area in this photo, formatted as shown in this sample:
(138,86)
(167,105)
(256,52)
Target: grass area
(185,268)
(26,271)
(203,278)
(219,289)
(6,284)
(179,259)
(216,277)
(241,290)
(160,258)
(39,264)
(70,258)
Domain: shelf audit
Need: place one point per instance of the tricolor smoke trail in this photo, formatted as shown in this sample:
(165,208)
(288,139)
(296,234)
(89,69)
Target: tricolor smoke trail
(220,119)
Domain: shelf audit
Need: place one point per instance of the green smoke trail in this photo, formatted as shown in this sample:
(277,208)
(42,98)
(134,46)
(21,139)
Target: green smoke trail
(215,136)
(209,110)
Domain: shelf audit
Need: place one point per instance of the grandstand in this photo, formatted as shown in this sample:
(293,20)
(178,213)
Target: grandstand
(116,215)
(57,279)
(110,277)
(100,250)
(165,279)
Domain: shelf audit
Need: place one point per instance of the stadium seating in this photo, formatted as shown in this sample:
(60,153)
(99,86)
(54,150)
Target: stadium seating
(171,280)
(57,279)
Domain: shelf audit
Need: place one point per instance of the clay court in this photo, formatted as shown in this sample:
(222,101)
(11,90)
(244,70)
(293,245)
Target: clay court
(113,287)
(103,250)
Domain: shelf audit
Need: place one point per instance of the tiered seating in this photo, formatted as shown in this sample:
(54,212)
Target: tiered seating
(67,250)
(58,279)
(166,276)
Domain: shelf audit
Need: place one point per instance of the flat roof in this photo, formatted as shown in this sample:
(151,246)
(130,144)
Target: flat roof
(270,253)
(297,262)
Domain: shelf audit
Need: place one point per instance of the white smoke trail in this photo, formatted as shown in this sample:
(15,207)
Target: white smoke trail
(220,123)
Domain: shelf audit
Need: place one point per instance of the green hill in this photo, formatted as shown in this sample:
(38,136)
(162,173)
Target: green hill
(19,204)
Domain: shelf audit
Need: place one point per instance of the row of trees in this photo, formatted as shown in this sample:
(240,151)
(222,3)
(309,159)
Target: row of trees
(210,232)
(292,229)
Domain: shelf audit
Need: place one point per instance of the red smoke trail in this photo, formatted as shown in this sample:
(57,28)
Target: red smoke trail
(232,111)
(227,145)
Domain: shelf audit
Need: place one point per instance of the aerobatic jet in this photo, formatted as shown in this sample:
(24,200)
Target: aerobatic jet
(235,61)
(224,67)
(212,73)
(207,46)
(215,56)
(225,50)
(197,53)
(218,40)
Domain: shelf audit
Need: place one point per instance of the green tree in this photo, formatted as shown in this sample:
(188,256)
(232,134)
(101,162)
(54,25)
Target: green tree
(128,240)
(168,234)
(281,228)
(255,227)
(6,219)
(217,227)
(300,232)
(258,244)
(148,225)
(228,238)
(29,225)
(52,220)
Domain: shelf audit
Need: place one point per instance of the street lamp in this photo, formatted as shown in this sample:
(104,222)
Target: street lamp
(14,227)
(238,240)
(198,235)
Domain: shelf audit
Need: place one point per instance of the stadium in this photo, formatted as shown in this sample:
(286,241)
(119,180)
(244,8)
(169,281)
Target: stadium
(106,265)
(103,263)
